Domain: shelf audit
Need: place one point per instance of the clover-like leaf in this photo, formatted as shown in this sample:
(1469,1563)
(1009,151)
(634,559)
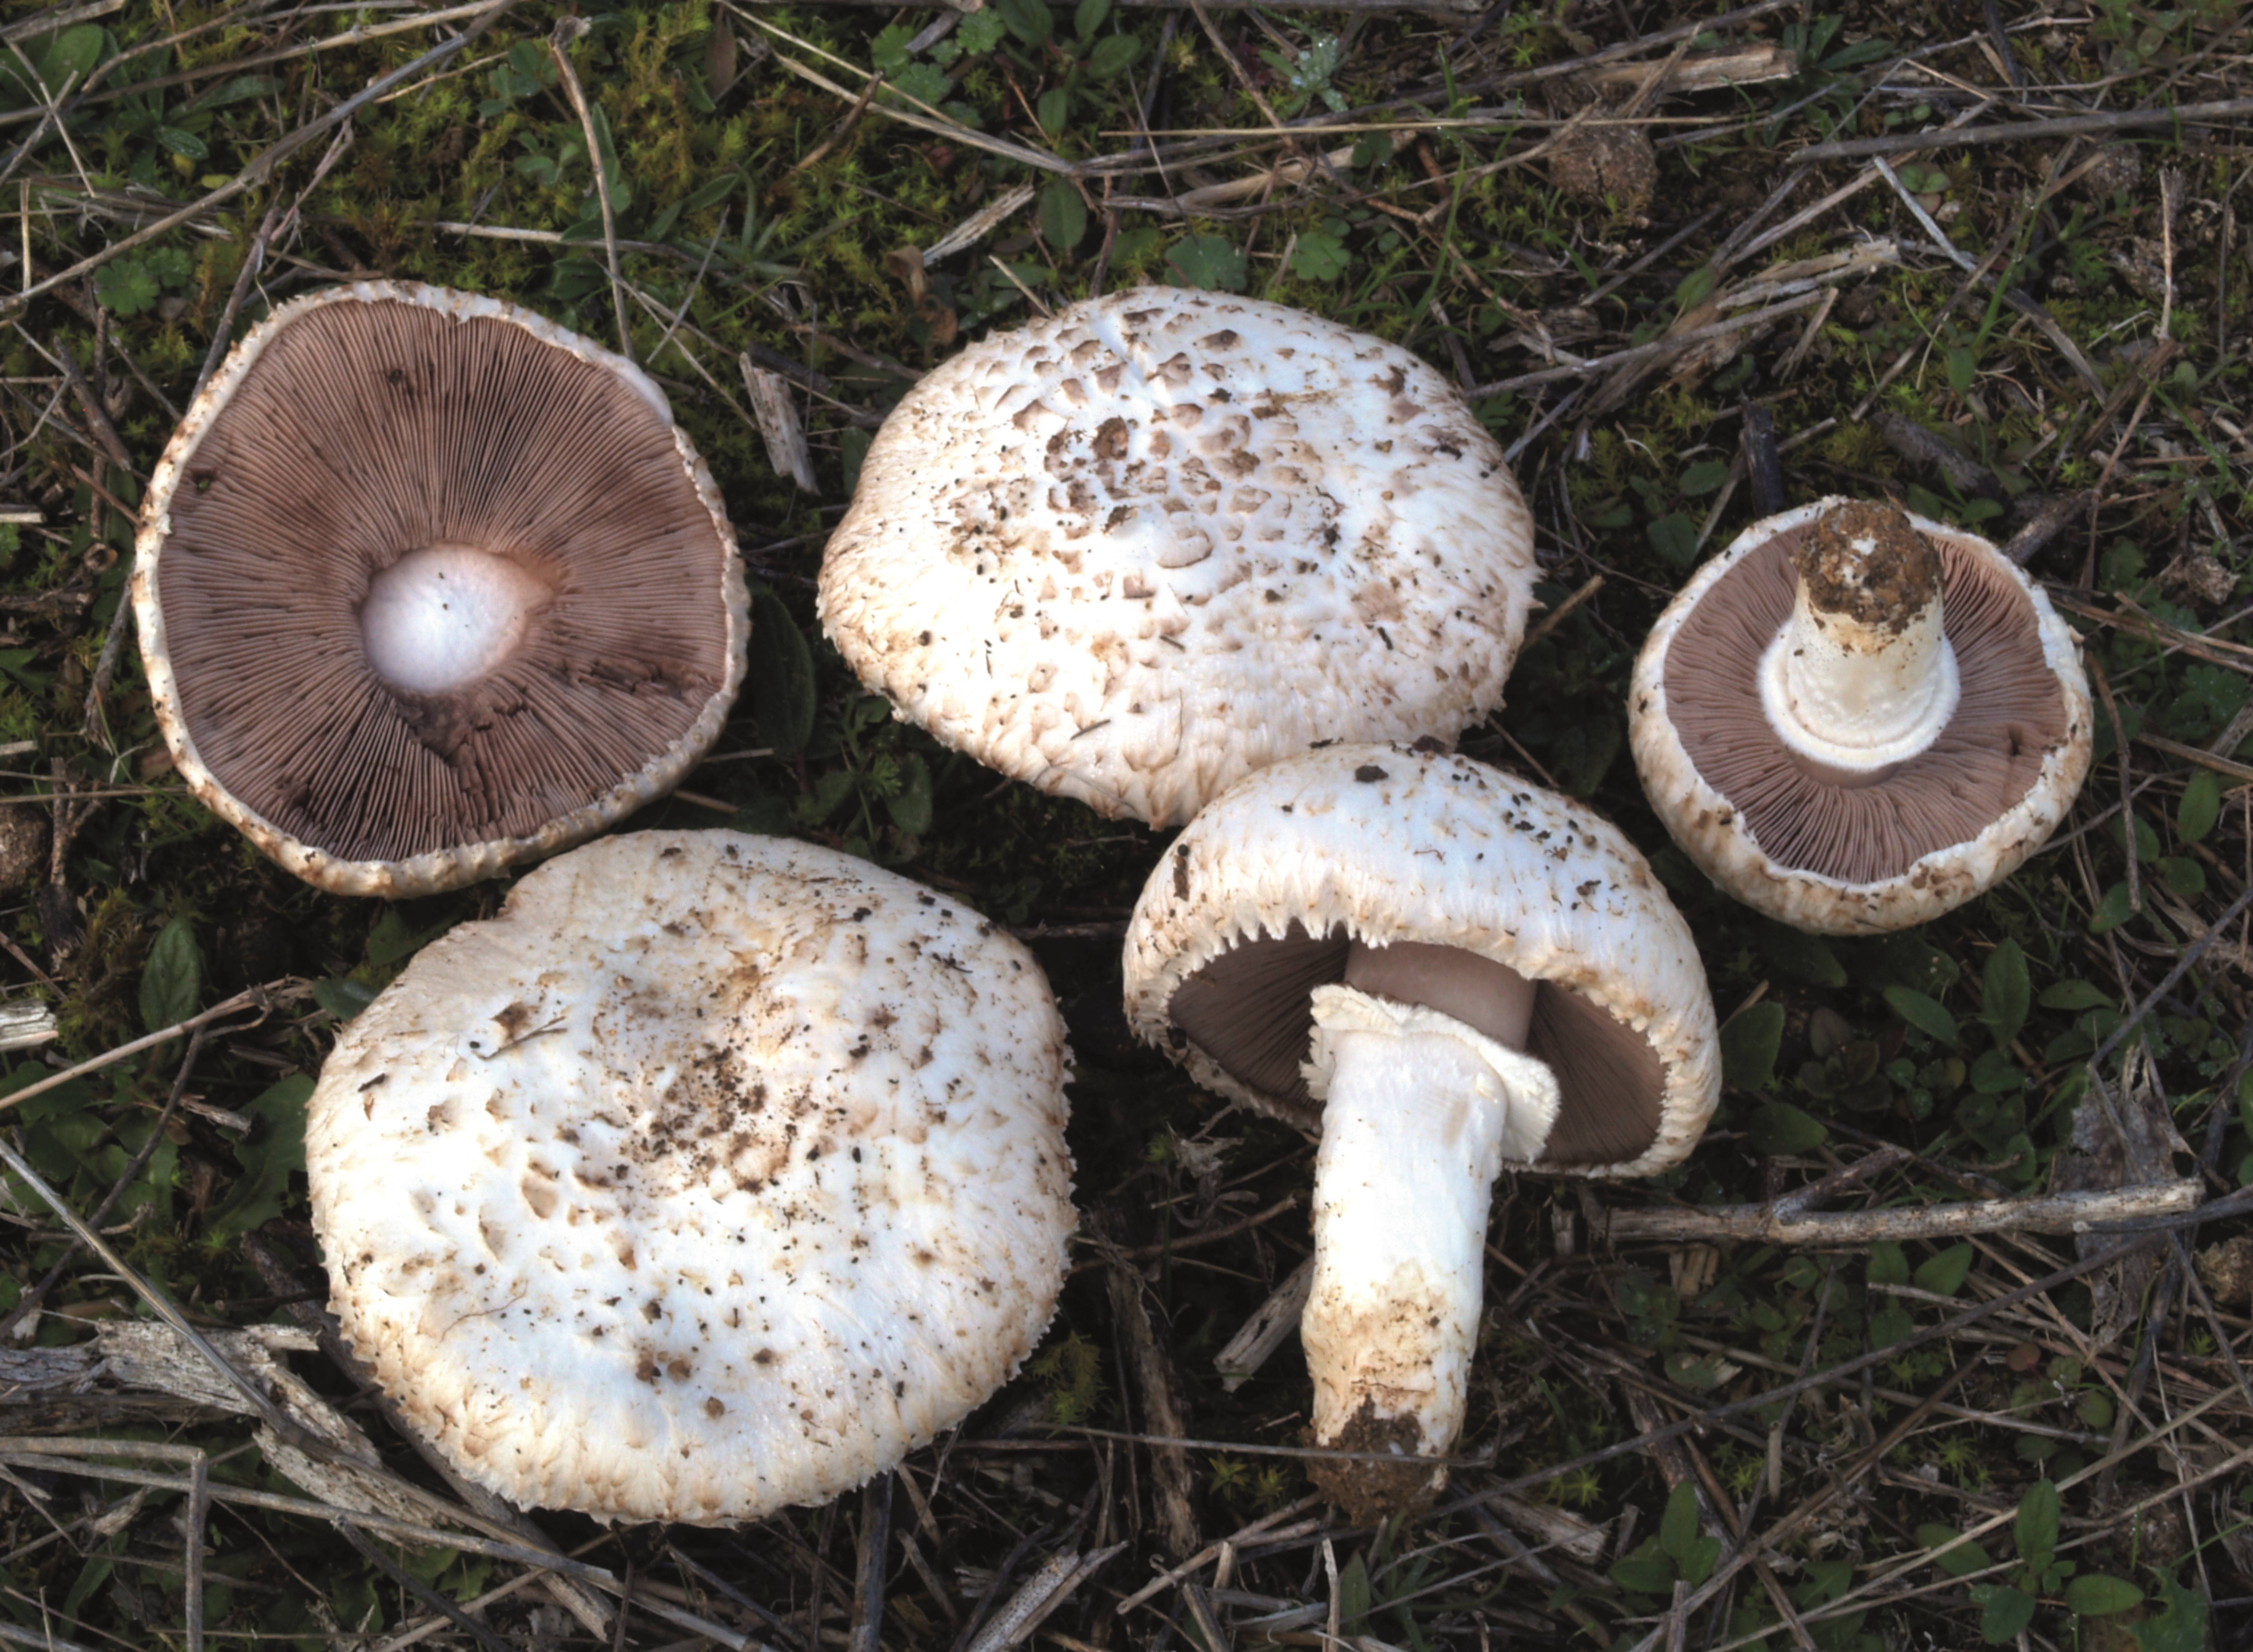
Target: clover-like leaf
(1209,261)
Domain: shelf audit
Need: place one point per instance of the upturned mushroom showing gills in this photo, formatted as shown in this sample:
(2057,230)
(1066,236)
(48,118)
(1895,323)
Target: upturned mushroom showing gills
(427,586)
(1855,720)
(1133,551)
(714,1175)
(1446,971)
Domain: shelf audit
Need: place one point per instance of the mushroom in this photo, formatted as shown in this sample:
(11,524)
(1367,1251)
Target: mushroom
(427,586)
(1133,551)
(1446,971)
(714,1175)
(1856,720)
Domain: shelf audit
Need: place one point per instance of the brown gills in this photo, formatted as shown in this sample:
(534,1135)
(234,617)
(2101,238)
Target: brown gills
(1865,828)
(1248,1010)
(364,432)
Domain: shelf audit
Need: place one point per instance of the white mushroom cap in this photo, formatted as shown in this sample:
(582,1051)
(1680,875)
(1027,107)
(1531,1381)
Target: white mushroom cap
(429,586)
(1861,852)
(714,1175)
(1133,552)
(1257,901)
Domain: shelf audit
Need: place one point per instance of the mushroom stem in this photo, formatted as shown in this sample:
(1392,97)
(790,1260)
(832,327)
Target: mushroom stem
(1421,1109)
(1862,675)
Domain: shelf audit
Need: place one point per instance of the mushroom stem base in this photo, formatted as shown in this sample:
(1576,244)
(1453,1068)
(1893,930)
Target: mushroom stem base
(1420,1112)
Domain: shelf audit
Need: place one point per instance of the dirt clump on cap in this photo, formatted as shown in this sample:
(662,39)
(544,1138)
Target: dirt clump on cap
(1884,585)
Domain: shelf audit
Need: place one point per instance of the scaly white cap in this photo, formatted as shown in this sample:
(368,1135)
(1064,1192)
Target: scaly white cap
(714,1175)
(1133,552)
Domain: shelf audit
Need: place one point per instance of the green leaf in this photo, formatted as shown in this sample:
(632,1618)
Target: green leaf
(1750,1043)
(782,692)
(1646,1572)
(1888,1264)
(275,1149)
(2074,995)
(2094,1595)
(2199,808)
(393,940)
(125,287)
(1963,367)
(853,447)
(1354,1593)
(1674,536)
(1922,1012)
(181,143)
(1319,257)
(1088,16)
(830,789)
(888,53)
(1209,261)
(2095,1409)
(343,997)
(1861,52)
(910,806)
(983,30)
(2183,875)
(1704,477)
(2007,992)
(1053,109)
(1779,1129)
(172,979)
(2037,1525)
(1063,214)
(1677,1527)
(1027,19)
(71,57)
(1802,956)
(241,89)
(2180,1625)
(1694,288)
(1964,1559)
(1944,1275)
(1698,1560)
(2003,1612)
(1113,55)
(1824,1582)
(2111,911)
(91,1576)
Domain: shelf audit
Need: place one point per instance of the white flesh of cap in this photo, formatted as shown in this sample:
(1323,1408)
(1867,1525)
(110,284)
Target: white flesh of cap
(1858,696)
(1420,1111)
(446,616)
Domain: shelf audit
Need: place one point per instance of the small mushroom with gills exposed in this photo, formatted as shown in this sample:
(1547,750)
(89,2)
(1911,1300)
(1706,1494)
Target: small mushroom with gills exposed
(1448,971)
(1854,719)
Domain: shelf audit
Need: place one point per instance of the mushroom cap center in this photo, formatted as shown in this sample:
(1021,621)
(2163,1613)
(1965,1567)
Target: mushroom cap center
(447,614)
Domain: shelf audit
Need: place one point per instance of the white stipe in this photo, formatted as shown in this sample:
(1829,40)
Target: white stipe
(446,616)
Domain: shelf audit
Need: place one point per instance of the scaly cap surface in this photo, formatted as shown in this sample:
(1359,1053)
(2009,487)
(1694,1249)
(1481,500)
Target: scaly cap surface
(1134,551)
(714,1175)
